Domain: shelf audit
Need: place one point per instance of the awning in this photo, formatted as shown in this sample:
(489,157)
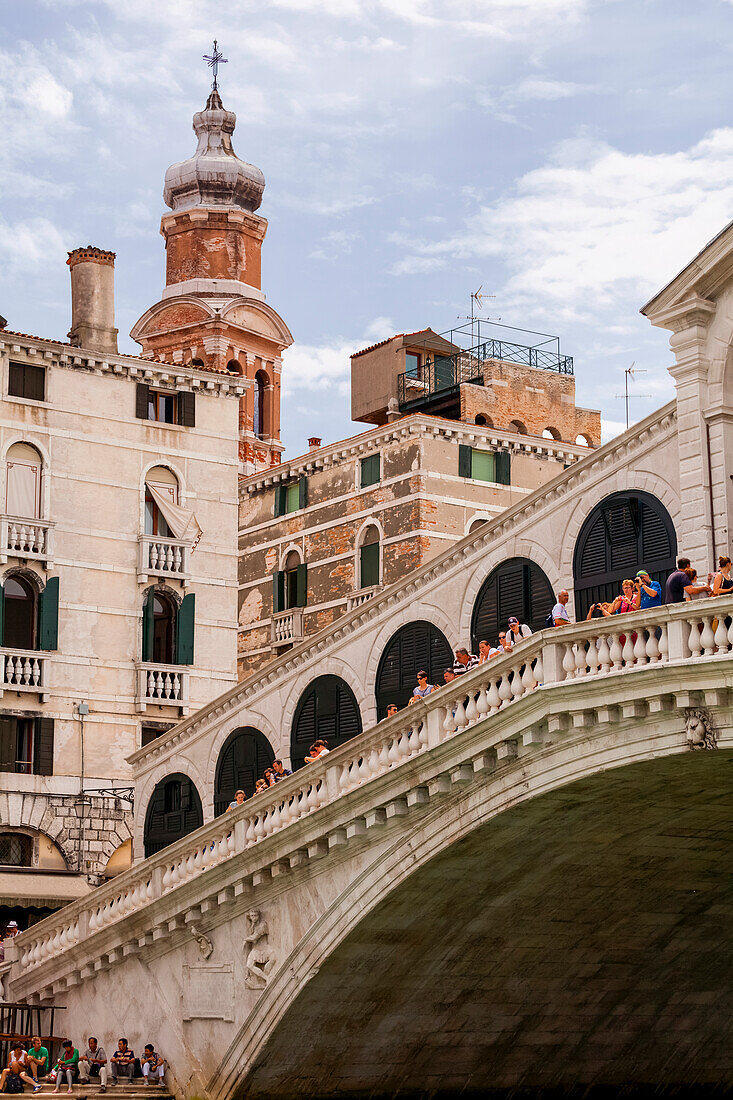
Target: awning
(182,523)
(35,888)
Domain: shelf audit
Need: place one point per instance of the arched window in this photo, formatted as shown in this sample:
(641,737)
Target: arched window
(415,646)
(327,709)
(583,441)
(21,613)
(516,587)
(174,811)
(16,850)
(551,433)
(626,532)
(484,421)
(162,483)
(197,363)
(259,422)
(290,573)
(369,563)
(518,427)
(159,628)
(475,524)
(23,482)
(242,761)
(234,367)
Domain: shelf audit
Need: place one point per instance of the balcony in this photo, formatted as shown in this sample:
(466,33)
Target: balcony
(24,670)
(162,685)
(360,597)
(286,627)
(163,557)
(31,539)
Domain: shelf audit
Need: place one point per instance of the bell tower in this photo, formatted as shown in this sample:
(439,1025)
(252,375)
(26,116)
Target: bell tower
(212,313)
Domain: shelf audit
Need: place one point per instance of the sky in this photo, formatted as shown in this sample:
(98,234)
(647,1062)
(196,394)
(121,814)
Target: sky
(568,156)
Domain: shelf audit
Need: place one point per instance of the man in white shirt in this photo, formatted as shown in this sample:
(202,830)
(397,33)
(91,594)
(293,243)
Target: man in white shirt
(517,631)
(560,612)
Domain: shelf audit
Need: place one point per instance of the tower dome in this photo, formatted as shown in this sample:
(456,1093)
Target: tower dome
(214,175)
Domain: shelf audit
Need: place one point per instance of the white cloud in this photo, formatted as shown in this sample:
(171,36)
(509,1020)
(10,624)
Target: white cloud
(326,366)
(30,247)
(537,88)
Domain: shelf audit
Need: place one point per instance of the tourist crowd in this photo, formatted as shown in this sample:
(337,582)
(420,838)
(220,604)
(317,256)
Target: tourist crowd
(32,1066)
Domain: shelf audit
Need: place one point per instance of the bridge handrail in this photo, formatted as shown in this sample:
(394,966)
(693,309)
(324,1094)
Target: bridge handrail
(588,650)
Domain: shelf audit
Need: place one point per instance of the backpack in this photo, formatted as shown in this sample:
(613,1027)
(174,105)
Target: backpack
(13,1083)
(550,620)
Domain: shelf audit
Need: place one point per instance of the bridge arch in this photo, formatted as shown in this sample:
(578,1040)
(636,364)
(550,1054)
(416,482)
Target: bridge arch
(624,532)
(532,826)
(242,761)
(174,810)
(518,586)
(327,709)
(416,645)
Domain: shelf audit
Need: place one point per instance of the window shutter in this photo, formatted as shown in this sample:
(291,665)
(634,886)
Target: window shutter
(280,500)
(301,585)
(187,409)
(43,762)
(48,615)
(370,471)
(302,491)
(15,380)
(148,626)
(185,630)
(503,467)
(278,591)
(142,396)
(464,460)
(35,383)
(369,572)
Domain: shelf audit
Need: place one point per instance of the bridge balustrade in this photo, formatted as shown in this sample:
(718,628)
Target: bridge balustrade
(593,651)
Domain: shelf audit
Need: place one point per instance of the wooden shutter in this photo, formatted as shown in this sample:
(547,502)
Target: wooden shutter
(278,591)
(503,467)
(142,396)
(48,615)
(187,409)
(301,585)
(416,645)
(370,471)
(185,630)
(16,386)
(369,562)
(464,460)
(43,754)
(148,627)
(35,383)
(302,491)
(281,495)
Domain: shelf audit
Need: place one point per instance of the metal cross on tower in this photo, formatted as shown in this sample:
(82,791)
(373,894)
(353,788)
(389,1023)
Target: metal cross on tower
(214,60)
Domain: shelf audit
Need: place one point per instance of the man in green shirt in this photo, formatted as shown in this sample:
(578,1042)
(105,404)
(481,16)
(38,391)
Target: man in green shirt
(37,1058)
(67,1065)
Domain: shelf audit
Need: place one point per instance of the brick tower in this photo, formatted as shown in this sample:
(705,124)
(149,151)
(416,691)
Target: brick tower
(213,312)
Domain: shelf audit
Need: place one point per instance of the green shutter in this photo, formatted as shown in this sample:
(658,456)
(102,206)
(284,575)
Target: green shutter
(301,585)
(303,492)
(483,466)
(369,564)
(503,467)
(48,615)
(148,626)
(278,591)
(280,500)
(185,630)
(43,752)
(370,471)
(464,460)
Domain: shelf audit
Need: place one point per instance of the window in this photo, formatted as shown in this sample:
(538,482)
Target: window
(290,585)
(258,420)
(413,365)
(165,407)
(174,811)
(292,497)
(172,797)
(26,745)
(16,850)
(168,630)
(291,579)
(518,427)
(149,733)
(493,466)
(23,482)
(164,482)
(19,627)
(370,470)
(28,381)
(369,558)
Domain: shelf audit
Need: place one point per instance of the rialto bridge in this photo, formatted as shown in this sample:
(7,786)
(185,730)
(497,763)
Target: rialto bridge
(522,880)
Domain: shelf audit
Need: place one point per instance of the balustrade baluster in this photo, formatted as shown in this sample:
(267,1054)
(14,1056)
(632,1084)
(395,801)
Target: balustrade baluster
(493,697)
(505,690)
(592,658)
(627,653)
(276,819)
(449,725)
(581,659)
(568,661)
(471,710)
(516,684)
(482,703)
(363,771)
(528,680)
(460,715)
(694,641)
(250,836)
(413,740)
(640,657)
(707,638)
(721,635)
(313,796)
(375,764)
(384,760)
(616,651)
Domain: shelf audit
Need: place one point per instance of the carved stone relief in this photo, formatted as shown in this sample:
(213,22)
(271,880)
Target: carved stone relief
(261,958)
(699,729)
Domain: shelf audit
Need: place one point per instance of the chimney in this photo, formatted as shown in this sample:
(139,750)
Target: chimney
(93,299)
(314,443)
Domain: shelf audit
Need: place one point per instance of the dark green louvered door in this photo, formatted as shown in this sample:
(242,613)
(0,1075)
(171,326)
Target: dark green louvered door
(174,811)
(327,709)
(415,646)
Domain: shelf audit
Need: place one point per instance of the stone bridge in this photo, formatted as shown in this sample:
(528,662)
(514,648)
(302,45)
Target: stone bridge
(523,880)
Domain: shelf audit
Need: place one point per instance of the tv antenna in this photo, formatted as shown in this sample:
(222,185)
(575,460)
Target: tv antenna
(630,372)
(476,302)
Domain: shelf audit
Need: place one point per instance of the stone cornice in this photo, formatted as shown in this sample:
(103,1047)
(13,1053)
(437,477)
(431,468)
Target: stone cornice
(123,366)
(414,425)
(636,440)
